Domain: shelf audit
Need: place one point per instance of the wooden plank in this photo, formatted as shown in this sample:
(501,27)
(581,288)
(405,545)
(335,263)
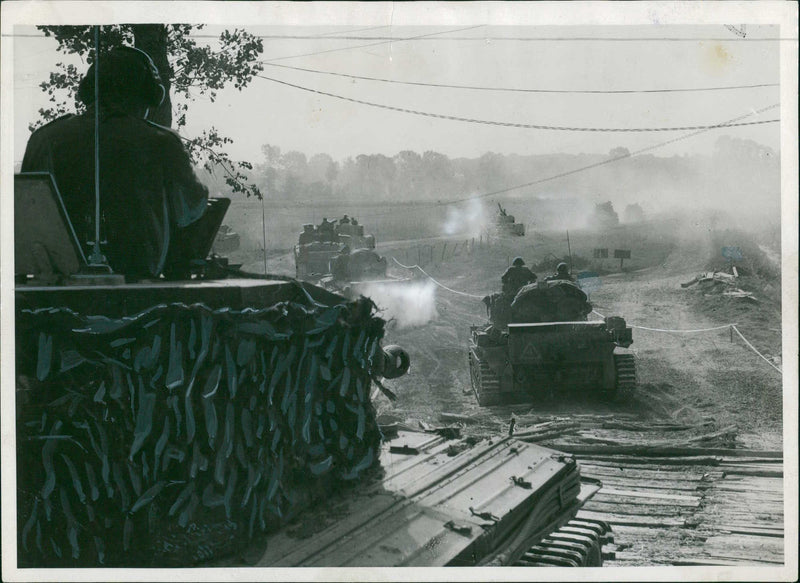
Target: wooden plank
(668,473)
(762,473)
(633,520)
(751,530)
(653,486)
(723,486)
(672,498)
(663,464)
(663,450)
(746,558)
(709,562)
(627,509)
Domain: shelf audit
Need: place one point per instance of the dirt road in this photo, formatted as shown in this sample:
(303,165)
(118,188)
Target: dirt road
(684,377)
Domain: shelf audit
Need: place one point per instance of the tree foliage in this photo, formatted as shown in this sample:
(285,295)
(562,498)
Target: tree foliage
(188,69)
(604,215)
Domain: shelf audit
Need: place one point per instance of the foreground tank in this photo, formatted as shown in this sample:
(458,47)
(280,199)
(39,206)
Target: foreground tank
(542,344)
(183,423)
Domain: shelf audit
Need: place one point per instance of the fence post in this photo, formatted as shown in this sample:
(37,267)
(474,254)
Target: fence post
(419,256)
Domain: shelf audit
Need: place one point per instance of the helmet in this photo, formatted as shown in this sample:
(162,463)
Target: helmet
(562,267)
(518,261)
(125,72)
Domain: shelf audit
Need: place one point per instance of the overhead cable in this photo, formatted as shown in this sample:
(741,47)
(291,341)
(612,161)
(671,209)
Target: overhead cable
(381,42)
(513,124)
(524,90)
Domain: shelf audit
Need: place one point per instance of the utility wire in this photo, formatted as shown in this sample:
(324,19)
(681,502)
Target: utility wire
(381,42)
(522,90)
(731,38)
(511,124)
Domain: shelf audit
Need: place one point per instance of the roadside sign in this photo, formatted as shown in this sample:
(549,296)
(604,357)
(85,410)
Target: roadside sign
(600,253)
(622,254)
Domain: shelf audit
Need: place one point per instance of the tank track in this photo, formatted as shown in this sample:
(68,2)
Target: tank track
(625,367)
(579,543)
(485,383)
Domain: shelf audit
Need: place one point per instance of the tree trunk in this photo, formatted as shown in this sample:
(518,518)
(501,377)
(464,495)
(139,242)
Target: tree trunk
(152,39)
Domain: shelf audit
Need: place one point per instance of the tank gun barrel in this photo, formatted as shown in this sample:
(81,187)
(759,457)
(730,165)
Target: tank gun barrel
(395,362)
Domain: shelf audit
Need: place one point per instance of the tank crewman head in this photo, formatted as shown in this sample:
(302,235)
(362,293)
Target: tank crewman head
(129,80)
(562,269)
(518,262)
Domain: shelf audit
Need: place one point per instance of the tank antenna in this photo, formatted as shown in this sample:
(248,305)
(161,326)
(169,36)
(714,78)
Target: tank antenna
(569,250)
(97,259)
(264,232)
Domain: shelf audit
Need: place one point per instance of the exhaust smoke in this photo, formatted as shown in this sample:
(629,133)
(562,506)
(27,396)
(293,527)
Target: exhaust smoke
(408,304)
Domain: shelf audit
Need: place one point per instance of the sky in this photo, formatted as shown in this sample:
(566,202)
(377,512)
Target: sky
(595,58)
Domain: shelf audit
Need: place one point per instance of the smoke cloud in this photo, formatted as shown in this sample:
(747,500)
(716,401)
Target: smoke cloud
(409,304)
(471,220)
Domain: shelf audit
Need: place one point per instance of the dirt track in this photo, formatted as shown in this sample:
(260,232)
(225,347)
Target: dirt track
(684,377)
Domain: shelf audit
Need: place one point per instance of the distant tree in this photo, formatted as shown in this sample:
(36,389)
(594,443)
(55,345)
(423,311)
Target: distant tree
(633,213)
(604,215)
(619,152)
(187,70)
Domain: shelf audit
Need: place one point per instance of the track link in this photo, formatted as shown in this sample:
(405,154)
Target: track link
(625,365)
(579,543)
(485,383)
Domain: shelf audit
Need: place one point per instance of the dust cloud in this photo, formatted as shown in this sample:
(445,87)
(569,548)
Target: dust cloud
(471,221)
(408,304)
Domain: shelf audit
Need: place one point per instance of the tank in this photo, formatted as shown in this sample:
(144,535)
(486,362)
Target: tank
(341,258)
(196,422)
(319,245)
(541,344)
(506,223)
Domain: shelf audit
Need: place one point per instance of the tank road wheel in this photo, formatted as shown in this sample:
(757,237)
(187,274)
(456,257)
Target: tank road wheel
(625,367)
(485,383)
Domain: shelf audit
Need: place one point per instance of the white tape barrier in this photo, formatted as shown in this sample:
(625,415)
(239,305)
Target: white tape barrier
(723,327)
(684,331)
(441,285)
(753,348)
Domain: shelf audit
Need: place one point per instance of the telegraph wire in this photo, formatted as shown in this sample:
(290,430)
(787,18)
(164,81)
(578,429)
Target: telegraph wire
(381,42)
(512,124)
(523,90)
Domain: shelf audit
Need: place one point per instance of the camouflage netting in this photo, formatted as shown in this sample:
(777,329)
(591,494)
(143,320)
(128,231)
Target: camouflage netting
(133,430)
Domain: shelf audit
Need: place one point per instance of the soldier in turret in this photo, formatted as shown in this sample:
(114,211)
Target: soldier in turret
(515,277)
(149,194)
(562,273)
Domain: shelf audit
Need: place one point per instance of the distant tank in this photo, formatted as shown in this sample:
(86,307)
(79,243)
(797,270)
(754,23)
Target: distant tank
(319,245)
(541,343)
(505,223)
(340,258)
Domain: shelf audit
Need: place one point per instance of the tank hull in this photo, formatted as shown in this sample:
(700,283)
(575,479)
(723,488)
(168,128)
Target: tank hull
(532,362)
